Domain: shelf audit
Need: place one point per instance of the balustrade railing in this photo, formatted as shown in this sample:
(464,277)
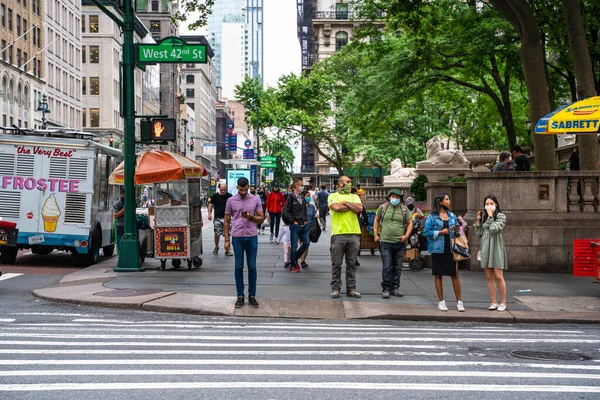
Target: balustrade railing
(582,193)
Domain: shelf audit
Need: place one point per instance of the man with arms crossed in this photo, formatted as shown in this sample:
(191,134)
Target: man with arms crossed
(345,237)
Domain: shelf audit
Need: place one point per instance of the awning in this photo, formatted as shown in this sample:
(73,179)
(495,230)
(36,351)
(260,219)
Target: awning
(582,117)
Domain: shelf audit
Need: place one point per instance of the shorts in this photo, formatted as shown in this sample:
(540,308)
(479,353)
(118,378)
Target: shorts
(219,226)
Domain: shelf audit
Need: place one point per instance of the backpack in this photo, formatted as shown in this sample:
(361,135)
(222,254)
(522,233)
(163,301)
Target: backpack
(402,208)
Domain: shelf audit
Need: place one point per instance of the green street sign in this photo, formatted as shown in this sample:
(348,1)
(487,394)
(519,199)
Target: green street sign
(265,164)
(171,50)
(271,159)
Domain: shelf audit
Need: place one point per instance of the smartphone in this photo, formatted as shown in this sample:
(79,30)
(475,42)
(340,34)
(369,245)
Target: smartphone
(244,212)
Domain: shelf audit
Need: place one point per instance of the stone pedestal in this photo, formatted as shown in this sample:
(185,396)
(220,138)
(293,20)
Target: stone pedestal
(438,172)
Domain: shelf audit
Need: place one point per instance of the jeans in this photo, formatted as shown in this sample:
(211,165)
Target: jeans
(298,232)
(120,232)
(391,257)
(275,221)
(250,246)
(348,246)
(311,212)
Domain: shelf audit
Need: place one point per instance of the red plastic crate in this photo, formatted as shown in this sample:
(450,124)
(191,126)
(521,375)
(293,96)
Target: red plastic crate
(597,260)
(584,257)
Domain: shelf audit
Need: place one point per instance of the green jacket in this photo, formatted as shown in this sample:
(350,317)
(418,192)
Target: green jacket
(493,251)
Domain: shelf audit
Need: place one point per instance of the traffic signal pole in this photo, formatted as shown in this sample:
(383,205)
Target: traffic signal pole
(129,253)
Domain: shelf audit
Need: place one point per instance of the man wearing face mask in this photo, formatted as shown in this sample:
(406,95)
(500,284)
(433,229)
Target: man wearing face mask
(345,237)
(275,203)
(393,226)
(294,214)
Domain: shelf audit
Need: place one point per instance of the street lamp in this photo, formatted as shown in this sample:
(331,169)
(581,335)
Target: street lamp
(43,107)
(528,126)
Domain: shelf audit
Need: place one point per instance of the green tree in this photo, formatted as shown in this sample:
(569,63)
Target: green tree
(199,8)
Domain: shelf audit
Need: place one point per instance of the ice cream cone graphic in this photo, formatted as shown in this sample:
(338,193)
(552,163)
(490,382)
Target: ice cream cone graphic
(50,213)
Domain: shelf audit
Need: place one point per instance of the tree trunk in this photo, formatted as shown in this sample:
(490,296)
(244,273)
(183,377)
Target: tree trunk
(520,15)
(588,144)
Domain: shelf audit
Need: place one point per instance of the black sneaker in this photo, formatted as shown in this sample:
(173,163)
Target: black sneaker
(240,302)
(304,265)
(253,302)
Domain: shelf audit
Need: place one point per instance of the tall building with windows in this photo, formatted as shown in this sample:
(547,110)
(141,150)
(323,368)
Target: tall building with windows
(255,38)
(200,90)
(101,56)
(62,48)
(157,17)
(22,62)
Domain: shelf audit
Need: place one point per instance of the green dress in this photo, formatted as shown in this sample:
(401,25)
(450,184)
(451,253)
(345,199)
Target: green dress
(493,252)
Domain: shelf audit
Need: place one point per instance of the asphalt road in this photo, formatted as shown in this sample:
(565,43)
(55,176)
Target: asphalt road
(65,351)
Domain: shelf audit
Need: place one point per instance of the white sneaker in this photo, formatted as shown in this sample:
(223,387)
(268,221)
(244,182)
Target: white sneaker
(493,307)
(442,306)
(460,306)
(502,307)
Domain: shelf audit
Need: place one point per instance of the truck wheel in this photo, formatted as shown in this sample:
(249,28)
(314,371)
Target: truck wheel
(108,250)
(8,255)
(42,250)
(176,263)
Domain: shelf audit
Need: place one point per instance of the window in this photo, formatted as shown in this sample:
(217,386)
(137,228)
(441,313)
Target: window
(10,54)
(83,25)
(93,23)
(25,59)
(34,36)
(189,93)
(34,67)
(19,25)
(19,98)
(190,65)
(94,86)
(4,50)
(94,54)
(191,105)
(94,117)
(341,11)
(10,19)
(189,78)
(83,54)
(19,58)
(24,3)
(84,115)
(11,92)
(39,74)
(155,26)
(154,5)
(24,29)
(3,15)
(39,37)
(341,39)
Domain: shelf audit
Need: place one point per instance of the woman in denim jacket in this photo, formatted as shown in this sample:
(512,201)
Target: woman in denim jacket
(439,229)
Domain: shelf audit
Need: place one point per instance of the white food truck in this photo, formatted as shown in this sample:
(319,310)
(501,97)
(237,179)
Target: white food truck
(54,185)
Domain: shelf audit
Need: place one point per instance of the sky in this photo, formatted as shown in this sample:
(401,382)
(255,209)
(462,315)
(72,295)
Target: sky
(282,49)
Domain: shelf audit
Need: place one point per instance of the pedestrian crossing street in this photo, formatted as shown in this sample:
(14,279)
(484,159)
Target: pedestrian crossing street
(234,358)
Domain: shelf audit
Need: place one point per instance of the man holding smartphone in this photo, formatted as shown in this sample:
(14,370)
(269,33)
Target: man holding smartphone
(242,212)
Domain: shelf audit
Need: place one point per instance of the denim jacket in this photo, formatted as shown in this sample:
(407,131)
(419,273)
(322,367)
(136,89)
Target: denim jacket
(433,226)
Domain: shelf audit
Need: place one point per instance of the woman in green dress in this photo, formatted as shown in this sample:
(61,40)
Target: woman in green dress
(489,226)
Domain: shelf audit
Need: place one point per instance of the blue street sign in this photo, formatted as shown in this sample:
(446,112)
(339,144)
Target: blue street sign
(247,143)
(230,126)
(253,172)
(233,142)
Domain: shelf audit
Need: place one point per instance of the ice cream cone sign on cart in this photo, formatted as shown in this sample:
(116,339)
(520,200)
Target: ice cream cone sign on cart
(159,166)
(50,213)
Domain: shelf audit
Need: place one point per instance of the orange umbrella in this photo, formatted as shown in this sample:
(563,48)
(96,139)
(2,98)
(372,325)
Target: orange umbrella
(159,166)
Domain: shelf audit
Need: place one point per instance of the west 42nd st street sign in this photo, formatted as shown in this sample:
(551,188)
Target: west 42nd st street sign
(171,50)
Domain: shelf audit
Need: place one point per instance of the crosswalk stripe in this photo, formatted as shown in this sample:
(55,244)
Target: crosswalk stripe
(299,385)
(337,362)
(230,352)
(223,344)
(298,338)
(7,320)
(9,276)
(336,372)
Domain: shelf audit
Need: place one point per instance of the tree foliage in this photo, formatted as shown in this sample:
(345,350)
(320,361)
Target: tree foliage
(200,8)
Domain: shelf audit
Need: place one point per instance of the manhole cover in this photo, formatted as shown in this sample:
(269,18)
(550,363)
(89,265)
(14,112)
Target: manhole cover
(546,356)
(128,292)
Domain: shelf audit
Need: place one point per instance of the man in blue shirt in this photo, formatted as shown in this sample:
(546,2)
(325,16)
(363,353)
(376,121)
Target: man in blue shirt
(321,199)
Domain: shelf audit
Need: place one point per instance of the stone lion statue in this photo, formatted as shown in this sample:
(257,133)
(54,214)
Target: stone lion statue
(435,154)
(398,171)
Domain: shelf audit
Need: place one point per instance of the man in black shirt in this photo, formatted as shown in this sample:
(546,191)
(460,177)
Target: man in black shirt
(520,160)
(218,202)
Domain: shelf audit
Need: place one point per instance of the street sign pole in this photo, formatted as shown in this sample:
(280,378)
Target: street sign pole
(129,252)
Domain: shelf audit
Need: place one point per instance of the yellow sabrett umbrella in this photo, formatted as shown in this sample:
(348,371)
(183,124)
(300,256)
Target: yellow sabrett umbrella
(582,117)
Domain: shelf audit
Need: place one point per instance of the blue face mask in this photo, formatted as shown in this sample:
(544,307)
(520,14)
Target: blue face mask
(395,202)
(307,199)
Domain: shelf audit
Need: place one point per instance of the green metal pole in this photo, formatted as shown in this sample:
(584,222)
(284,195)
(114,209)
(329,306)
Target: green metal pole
(129,256)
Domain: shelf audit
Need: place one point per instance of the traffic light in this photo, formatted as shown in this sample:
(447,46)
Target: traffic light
(111,141)
(191,145)
(158,130)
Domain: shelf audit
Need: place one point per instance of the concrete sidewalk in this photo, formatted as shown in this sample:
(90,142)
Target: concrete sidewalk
(210,290)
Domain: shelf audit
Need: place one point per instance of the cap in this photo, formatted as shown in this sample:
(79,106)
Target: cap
(409,201)
(396,192)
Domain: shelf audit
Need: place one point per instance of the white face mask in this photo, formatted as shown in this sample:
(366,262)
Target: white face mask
(493,208)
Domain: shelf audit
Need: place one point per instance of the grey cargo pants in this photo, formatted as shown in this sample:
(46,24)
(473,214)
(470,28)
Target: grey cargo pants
(349,246)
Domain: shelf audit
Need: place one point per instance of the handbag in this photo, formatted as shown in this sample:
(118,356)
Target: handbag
(315,232)
(460,249)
